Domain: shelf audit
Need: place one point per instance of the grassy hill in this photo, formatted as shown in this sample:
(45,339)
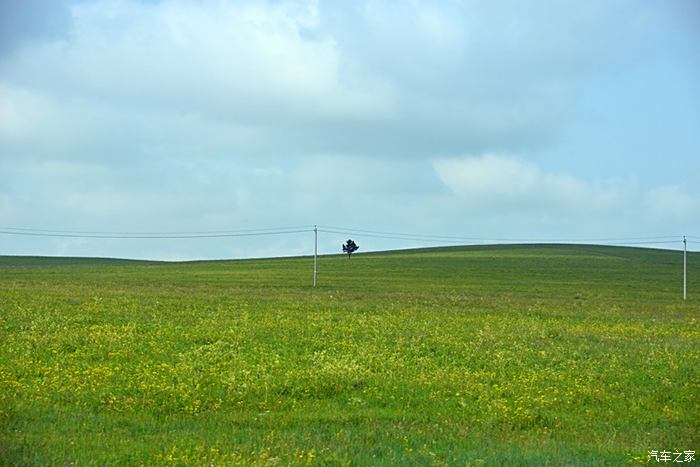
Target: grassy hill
(62,261)
(509,354)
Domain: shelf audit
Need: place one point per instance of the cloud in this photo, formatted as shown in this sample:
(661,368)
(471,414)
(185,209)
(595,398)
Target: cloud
(233,60)
(363,176)
(174,114)
(299,78)
(503,182)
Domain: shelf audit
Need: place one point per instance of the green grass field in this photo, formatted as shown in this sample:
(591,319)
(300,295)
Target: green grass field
(517,355)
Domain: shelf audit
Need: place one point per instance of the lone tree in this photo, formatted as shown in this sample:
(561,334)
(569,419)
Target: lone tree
(350,247)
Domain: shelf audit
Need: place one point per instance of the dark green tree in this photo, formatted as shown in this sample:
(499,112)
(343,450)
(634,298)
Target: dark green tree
(350,247)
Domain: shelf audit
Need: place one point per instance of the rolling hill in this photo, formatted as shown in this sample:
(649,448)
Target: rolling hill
(488,355)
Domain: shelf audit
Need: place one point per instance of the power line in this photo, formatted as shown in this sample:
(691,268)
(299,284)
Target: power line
(452,239)
(214,232)
(136,236)
(413,237)
(348,230)
(442,239)
(486,241)
(394,237)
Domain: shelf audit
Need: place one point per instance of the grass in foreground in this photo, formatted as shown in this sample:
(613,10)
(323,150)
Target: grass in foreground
(494,355)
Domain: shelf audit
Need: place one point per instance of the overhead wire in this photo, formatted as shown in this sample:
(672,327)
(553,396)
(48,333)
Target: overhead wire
(393,237)
(413,237)
(153,236)
(444,238)
(86,232)
(348,230)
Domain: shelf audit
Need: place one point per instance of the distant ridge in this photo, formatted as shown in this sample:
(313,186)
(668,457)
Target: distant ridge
(614,250)
(51,261)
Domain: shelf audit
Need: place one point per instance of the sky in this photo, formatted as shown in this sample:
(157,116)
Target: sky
(484,120)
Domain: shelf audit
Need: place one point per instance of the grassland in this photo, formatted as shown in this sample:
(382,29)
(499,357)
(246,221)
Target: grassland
(518,355)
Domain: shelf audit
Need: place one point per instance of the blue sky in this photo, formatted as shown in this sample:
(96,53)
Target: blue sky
(507,119)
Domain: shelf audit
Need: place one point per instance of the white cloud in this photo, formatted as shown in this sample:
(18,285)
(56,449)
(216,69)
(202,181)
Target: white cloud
(495,181)
(237,60)
(21,112)
(302,77)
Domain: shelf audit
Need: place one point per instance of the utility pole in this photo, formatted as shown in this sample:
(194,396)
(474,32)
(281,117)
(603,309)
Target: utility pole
(315,253)
(685,270)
